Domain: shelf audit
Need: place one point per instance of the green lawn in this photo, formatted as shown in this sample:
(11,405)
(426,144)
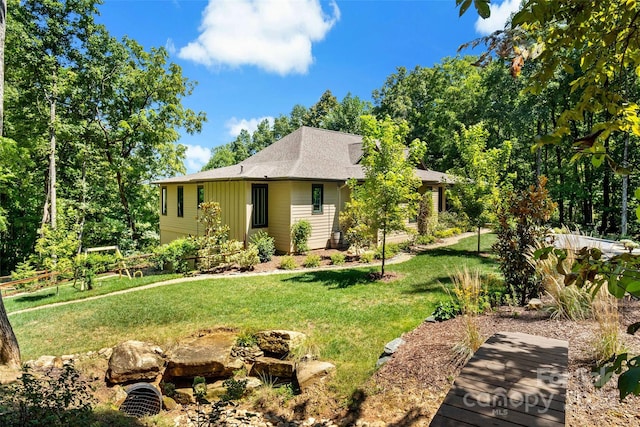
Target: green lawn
(347,317)
(67,292)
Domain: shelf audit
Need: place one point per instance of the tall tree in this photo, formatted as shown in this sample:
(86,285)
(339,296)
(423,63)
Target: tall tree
(481,172)
(317,114)
(346,116)
(9,348)
(390,188)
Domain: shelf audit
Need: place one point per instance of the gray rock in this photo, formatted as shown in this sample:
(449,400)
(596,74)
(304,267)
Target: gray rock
(534,304)
(279,342)
(135,361)
(392,346)
(381,361)
(430,319)
(308,373)
(208,356)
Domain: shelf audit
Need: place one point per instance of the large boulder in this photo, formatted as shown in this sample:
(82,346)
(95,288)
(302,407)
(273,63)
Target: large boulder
(207,355)
(272,368)
(308,373)
(135,361)
(279,342)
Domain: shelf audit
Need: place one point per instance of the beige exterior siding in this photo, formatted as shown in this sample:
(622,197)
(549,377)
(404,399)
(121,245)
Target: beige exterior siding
(322,224)
(171,225)
(288,202)
(279,221)
(230,195)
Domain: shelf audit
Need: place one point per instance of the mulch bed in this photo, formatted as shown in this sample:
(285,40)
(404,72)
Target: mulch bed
(409,388)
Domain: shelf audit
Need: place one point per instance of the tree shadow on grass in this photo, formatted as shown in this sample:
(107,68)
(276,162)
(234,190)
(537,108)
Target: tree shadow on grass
(442,281)
(338,279)
(32,298)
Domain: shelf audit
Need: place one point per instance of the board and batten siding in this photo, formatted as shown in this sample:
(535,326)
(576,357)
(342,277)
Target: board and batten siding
(171,225)
(231,195)
(322,224)
(279,218)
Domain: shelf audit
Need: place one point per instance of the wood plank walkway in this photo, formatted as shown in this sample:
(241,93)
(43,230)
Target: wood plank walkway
(514,379)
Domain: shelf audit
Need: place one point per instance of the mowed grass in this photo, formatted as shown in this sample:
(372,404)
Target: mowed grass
(347,317)
(67,292)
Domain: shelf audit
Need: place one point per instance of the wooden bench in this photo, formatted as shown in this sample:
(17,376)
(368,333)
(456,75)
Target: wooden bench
(513,379)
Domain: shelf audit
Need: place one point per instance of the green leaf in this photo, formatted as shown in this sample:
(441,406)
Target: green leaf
(597,160)
(633,328)
(482,6)
(629,382)
(465,5)
(637,193)
(615,287)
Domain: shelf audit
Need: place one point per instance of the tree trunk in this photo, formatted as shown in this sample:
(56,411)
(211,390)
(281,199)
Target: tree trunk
(625,189)
(562,190)
(125,206)
(384,243)
(52,160)
(9,349)
(3,29)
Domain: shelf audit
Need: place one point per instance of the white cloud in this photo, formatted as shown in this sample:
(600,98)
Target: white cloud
(170,46)
(275,35)
(196,157)
(235,125)
(500,14)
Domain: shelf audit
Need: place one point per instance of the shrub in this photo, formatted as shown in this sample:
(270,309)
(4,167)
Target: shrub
(337,258)
(287,263)
(367,257)
(426,218)
(450,219)
(300,233)
(235,389)
(520,221)
(246,339)
(391,250)
(446,310)
(425,239)
(24,270)
(199,389)
(312,261)
(356,227)
(265,244)
(176,254)
(447,232)
(54,400)
(248,258)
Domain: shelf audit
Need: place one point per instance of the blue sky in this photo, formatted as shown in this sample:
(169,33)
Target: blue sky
(256,59)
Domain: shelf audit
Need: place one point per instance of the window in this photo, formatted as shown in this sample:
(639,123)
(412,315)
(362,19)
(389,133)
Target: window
(163,200)
(317,197)
(441,206)
(180,201)
(259,200)
(200,195)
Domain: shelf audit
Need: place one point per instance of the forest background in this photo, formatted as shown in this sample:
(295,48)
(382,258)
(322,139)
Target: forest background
(99,117)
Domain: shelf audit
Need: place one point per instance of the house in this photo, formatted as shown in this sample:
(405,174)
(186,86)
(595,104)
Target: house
(303,175)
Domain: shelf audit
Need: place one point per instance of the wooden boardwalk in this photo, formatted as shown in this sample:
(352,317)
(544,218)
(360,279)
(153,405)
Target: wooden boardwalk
(514,379)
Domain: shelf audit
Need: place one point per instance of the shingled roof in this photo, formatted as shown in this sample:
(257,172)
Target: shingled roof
(305,154)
